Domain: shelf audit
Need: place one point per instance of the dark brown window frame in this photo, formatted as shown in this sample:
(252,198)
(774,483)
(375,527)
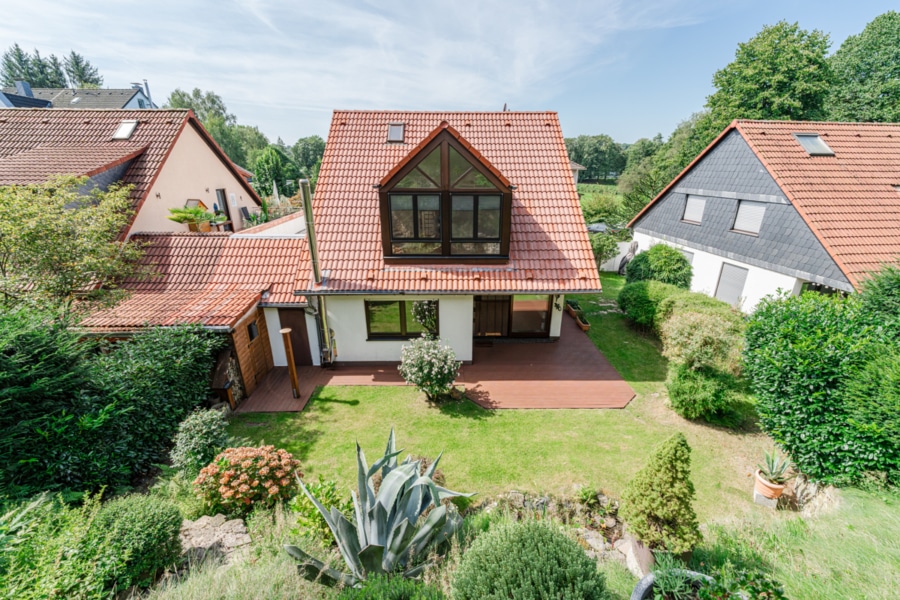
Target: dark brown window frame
(404,334)
(415,211)
(445,141)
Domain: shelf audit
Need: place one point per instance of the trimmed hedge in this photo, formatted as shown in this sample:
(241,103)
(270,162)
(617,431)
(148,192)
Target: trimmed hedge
(528,561)
(639,300)
(700,340)
(799,352)
(698,393)
(660,263)
(872,398)
(698,303)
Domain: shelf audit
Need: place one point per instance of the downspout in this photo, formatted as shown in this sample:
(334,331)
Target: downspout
(325,334)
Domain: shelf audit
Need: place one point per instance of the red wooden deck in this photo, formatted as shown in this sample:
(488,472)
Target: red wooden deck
(570,373)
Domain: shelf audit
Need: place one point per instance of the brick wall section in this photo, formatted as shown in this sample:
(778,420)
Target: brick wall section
(254,358)
(729,173)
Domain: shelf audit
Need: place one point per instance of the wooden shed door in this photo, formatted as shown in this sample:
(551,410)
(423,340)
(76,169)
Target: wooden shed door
(492,316)
(296,320)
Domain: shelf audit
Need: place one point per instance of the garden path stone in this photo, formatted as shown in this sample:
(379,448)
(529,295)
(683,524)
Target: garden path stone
(214,536)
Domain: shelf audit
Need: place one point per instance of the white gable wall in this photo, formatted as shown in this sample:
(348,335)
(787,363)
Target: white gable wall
(707,267)
(191,172)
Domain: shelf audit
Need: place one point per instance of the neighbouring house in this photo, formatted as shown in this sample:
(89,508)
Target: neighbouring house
(241,285)
(134,98)
(576,168)
(475,211)
(167,156)
(782,205)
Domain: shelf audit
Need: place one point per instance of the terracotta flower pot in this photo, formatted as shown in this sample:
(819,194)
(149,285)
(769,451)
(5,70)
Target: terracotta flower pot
(768,489)
(571,311)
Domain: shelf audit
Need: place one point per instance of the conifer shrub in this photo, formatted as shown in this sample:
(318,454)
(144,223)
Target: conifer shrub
(528,560)
(660,263)
(639,301)
(657,503)
(202,435)
(384,587)
(145,533)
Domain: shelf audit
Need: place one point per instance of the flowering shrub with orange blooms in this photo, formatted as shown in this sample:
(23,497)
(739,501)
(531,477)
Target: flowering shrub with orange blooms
(239,478)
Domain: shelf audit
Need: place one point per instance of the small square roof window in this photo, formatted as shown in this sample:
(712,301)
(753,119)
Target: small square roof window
(396,132)
(125,130)
(813,144)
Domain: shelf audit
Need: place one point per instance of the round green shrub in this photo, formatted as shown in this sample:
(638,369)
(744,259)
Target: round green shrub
(639,300)
(880,297)
(202,435)
(699,340)
(383,587)
(698,393)
(872,397)
(656,505)
(660,263)
(698,303)
(144,530)
(527,561)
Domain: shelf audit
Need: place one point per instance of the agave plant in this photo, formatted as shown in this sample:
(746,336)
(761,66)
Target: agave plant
(386,534)
(775,468)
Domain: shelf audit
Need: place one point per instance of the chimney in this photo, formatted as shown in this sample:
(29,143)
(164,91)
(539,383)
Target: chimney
(23,89)
(147,92)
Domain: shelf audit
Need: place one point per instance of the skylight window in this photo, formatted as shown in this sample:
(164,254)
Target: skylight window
(125,130)
(813,144)
(396,132)
(75,100)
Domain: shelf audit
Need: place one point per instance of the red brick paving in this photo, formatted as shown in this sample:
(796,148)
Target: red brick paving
(570,373)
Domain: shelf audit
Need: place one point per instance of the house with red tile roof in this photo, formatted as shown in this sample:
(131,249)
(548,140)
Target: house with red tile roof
(166,155)
(240,285)
(783,205)
(475,211)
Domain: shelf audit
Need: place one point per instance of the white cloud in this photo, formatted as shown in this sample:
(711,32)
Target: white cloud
(286,65)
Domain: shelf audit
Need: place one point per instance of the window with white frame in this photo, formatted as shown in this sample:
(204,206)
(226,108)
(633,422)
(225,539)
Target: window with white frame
(731,283)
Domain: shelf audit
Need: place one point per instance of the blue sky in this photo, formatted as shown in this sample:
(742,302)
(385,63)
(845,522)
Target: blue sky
(628,68)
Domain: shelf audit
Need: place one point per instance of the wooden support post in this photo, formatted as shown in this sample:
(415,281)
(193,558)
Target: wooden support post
(292,368)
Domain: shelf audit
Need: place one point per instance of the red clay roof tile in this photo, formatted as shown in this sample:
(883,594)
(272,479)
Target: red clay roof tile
(548,235)
(207,278)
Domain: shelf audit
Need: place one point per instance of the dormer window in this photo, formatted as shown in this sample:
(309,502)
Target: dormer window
(442,203)
(396,132)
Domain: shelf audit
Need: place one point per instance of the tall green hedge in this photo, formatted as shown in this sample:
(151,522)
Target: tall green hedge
(73,419)
(639,301)
(799,352)
(660,263)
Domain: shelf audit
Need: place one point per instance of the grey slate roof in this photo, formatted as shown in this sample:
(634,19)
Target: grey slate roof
(17,101)
(88,98)
(731,172)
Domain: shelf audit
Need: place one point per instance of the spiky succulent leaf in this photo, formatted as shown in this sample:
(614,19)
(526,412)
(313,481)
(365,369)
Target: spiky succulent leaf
(313,569)
(425,535)
(371,558)
(400,537)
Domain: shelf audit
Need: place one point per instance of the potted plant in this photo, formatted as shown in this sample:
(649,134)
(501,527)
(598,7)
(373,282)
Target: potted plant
(669,581)
(581,320)
(571,307)
(196,218)
(771,475)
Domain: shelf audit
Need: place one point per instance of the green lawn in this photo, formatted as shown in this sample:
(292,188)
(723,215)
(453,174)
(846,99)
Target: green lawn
(851,550)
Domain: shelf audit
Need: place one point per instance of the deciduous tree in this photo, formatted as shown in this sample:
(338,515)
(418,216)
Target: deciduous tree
(867,74)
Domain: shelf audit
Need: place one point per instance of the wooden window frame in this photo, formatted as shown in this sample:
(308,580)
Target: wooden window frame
(404,335)
(445,141)
(415,239)
(252,327)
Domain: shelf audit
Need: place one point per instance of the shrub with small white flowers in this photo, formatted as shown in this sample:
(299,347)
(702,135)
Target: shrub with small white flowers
(425,312)
(429,365)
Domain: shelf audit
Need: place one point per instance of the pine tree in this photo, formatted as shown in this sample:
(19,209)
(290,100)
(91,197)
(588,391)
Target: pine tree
(656,504)
(15,66)
(81,73)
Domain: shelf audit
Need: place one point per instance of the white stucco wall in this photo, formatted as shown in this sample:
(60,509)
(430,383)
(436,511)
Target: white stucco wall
(273,324)
(707,267)
(312,332)
(347,317)
(192,171)
(556,315)
(612,265)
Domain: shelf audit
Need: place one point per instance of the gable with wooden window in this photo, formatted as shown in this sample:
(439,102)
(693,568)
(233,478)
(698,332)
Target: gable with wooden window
(445,203)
